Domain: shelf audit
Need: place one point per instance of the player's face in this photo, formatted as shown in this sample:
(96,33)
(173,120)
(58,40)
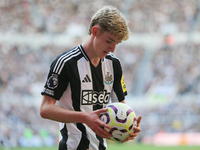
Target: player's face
(104,42)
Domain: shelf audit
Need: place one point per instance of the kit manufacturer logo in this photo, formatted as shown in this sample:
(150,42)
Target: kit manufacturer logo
(86,79)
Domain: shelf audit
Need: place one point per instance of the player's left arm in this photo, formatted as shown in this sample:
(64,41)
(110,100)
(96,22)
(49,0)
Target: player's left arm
(137,129)
(123,102)
(121,92)
(136,132)
(119,88)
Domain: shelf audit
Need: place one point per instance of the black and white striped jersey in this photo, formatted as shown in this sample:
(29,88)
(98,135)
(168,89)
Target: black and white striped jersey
(77,85)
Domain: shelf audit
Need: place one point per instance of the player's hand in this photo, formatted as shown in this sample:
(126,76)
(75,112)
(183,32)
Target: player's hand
(135,133)
(96,124)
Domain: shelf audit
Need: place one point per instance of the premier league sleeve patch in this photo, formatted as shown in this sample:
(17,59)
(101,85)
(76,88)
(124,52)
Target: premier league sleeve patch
(52,82)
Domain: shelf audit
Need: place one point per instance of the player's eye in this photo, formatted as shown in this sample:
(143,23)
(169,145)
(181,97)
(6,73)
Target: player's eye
(109,41)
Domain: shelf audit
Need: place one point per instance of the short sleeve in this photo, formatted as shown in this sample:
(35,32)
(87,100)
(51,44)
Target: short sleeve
(56,82)
(119,88)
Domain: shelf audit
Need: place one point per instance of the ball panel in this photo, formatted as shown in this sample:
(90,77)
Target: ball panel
(118,135)
(105,118)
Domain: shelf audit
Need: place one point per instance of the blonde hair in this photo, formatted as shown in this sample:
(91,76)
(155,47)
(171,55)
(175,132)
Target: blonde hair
(110,19)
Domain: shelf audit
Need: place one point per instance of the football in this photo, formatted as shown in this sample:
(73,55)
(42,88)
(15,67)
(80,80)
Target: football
(122,120)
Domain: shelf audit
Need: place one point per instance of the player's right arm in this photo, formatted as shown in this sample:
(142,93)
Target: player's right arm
(48,110)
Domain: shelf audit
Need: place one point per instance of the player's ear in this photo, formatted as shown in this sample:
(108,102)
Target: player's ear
(95,30)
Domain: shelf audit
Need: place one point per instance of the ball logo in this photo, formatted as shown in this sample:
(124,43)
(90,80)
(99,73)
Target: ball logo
(52,82)
(90,97)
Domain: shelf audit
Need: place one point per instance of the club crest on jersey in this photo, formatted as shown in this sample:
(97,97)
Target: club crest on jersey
(52,82)
(108,78)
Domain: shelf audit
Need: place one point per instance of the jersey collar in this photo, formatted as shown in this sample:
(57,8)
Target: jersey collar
(84,53)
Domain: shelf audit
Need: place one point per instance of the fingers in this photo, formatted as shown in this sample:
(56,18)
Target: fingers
(127,139)
(103,110)
(132,135)
(137,128)
(102,123)
(99,126)
(135,133)
(103,133)
(139,120)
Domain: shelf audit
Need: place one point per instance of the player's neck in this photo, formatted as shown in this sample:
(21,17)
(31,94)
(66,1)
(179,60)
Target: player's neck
(87,46)
(95,62)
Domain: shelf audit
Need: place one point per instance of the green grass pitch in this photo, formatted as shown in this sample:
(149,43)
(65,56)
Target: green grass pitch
(123,147)
(149,147)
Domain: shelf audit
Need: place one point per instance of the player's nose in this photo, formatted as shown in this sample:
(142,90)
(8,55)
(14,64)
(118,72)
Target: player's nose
(112,47)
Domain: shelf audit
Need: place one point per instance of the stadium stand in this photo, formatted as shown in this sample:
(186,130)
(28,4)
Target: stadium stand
(161,63)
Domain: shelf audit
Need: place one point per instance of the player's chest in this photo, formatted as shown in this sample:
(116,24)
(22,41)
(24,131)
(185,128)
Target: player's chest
(98,78)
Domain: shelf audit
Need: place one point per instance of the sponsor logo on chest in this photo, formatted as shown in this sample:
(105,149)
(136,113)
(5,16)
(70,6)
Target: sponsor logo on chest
(90,97)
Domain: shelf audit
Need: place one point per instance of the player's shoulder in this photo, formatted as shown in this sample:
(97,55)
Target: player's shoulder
(69,54)
(115,60)
(63,59)
(112,57)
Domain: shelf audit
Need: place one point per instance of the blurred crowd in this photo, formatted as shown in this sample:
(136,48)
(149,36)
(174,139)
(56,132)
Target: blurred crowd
(56,16)
(176,69)
(163,73)
(22,126)
(178,116)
